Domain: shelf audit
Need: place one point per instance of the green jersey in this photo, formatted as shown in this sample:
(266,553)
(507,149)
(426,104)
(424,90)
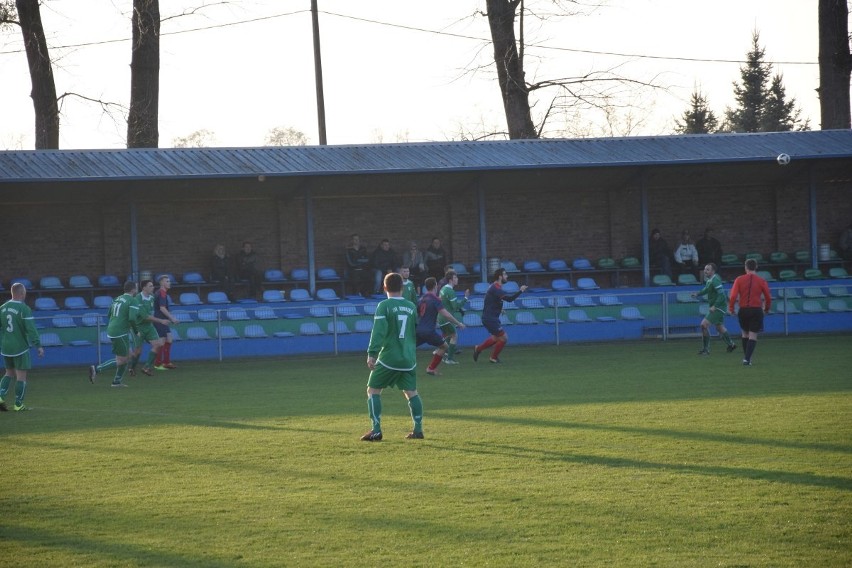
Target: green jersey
(146,309)
(451,301)
(393,341)
(122,315)
(18,331)
(715,292)
(409,292)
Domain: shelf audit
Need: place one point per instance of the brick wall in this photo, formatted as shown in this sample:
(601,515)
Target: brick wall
(177,234)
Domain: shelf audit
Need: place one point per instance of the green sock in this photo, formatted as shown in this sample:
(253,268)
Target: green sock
(727,338)
(119,373)
(706,340)
(152,356)
(374,406)
(416,406)
(4,385)
(451,352)
(20,391)
(106,365)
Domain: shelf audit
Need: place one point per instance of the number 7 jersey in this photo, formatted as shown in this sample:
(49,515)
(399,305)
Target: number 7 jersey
(393,341)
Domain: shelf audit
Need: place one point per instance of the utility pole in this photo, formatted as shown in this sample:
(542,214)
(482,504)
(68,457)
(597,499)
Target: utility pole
(318,75)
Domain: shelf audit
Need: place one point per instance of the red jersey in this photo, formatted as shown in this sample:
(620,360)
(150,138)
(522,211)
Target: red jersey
(749,288)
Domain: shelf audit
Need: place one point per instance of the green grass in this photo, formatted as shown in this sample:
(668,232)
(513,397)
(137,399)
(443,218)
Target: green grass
(629,454)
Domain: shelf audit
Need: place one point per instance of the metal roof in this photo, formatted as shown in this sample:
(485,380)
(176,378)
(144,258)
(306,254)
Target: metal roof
(434,157)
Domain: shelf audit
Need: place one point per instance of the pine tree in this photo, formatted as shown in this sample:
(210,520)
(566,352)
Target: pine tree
(698,119)
(761,103)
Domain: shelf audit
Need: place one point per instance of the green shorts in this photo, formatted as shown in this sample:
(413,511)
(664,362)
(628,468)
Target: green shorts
(381,377)
(448,329)
(148,333)
(716,317)
(122,346)
(21,362)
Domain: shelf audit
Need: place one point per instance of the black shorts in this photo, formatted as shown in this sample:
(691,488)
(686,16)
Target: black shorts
(432,338)
(751,319)
(162,330)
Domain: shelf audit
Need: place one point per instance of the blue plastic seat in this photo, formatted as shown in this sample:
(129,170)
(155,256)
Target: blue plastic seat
(631,313)
(310,328)
(299,274)
(254,331)
(557,265)
(63,321)
(327,295)
(46,304)
(50,340)
(370,308)
(236,314)
(578,316)
(338,327)
(102,302)
(320,312)
(472,320)
(197,334)
(327,274)
(300,295)
(583,301)
(171,276)
(208,315)
(193,278)
(560,285)
(227,332)
(108,281)
(587,284)
(28,284)
(93,320)
(50,283)
(265,314)
(509,266)
(530,303)
(79,281)
(557,302)
(182,316)
(481,287)
(511,287)
(273,296)
(582,264)
(347,309)
(525,318)
(216,297)
(533,266)
(274,275)
(189,299)
(460,268)
(75,303)
(366,326)
(610,300)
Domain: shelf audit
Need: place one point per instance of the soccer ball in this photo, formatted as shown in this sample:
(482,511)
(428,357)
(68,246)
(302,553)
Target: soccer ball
(783,159)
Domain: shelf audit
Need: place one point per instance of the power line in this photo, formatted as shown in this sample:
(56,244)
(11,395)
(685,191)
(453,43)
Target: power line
(423,30)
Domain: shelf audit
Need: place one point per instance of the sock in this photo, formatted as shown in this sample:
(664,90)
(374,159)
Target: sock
(106,365)
(745,347)
(436,360)
(4,385)
(416,406)
(451,352)
(158,360)
(20,392)
(133,361)
(486,344)
(167,354)
(752,343)
(727,339)
(706,340)
(119,373)
(497,349)
(374,407)
(151,357)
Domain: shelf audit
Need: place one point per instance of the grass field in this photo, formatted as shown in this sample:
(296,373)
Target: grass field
(627,454)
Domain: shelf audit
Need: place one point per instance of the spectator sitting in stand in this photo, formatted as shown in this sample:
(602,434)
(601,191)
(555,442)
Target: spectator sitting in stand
(686,255)
(659,253)
(709,249)
(357,267)
(247,269)
(413,259)
(436,259)
(383,261)
(220,270)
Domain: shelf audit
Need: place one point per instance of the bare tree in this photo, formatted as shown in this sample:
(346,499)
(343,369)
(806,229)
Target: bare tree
(280,136)
(143,118)
(198,139)
(41,72)
(835,64)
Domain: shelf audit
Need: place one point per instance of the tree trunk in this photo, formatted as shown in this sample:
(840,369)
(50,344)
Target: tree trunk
(835,64)
(143,118)
(41,75)
(510,69)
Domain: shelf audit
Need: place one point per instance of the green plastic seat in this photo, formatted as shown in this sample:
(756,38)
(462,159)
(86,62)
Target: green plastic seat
(662,280)
(766,275)
(787,275)
(779,257)
(730,259)
(754,256)
(606,263)
(814,274)
(838,272)
(687,280)
(803,256)
(630,262)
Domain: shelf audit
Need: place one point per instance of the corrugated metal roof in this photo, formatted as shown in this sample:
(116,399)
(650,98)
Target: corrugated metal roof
(209,163)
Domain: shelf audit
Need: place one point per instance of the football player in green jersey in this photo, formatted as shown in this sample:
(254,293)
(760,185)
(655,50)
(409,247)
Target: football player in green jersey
(391,358)
(715,292)
(123,314)
(409,292)
(453,304)
(17,334)
(145,327)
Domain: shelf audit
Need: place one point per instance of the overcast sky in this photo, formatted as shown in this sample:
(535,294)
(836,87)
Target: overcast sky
(393,70)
